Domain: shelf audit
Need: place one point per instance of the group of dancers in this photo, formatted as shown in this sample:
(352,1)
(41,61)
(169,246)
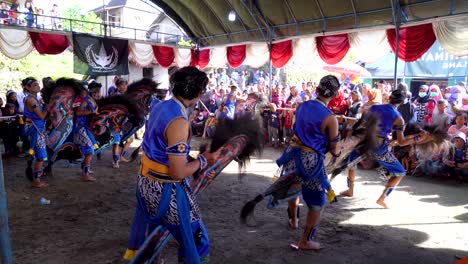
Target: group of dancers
(163,192)
(84,106)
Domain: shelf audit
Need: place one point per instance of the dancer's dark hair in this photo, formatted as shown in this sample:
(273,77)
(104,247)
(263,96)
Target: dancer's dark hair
(328,86)
(398,96)
(188,83)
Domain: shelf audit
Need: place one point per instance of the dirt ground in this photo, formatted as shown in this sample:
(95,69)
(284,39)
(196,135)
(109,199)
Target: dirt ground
(90,222)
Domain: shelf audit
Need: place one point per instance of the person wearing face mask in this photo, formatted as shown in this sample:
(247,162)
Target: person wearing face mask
(424,105)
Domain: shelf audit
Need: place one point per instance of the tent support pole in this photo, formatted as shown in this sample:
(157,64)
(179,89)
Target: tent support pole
(397,21)
(270,68)
(5,246)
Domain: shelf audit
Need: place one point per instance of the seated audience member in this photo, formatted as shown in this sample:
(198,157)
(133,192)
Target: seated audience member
(197,123)
(10,130)
(440,117)
(459,126)
(456,162)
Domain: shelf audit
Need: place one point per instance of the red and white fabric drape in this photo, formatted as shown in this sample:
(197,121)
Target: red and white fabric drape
(413,41)
(51,44)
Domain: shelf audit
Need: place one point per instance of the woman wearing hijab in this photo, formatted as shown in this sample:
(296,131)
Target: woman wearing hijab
(424,105)
(374,96)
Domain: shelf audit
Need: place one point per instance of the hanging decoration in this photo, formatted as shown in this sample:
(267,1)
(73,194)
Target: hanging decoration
(200,58)
(164,55)
(413,42)
(182,57)
(257,55)
(236,55)
(281,53)
(51,44)
(453,35)
(141,54)
(332,49)
(15,44)
(361,42)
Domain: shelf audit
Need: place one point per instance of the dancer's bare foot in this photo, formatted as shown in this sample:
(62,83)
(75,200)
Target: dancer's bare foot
(347,193)
(115,165)
(382,203)
(309,245)
(293,223)
(87,178)
(39,184)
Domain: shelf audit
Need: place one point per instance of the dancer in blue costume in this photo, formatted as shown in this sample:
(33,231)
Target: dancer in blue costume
(82,135)
(230,101)
(315,134)
(163,193)
(390,121)
(35,115)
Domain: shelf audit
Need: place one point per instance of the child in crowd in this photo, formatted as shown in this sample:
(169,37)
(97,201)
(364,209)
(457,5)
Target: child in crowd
(273,126)
(459,126)
(456,162)
(440,117)
(287,117)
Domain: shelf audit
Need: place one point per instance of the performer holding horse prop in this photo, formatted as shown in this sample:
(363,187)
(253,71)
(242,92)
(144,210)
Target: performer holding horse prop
(390,120)
(166,203)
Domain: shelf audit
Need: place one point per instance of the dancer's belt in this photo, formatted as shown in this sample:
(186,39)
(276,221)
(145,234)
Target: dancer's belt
(154,170)
(296,142)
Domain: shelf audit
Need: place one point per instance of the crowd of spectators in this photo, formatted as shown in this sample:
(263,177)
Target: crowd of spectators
(447,108)
(29,15)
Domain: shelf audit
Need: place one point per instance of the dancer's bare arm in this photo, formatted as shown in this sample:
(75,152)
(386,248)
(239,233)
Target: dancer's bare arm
(398,126)
(330,126)
(179,168)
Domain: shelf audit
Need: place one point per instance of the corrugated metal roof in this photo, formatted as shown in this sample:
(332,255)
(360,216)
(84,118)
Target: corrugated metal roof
(207,20)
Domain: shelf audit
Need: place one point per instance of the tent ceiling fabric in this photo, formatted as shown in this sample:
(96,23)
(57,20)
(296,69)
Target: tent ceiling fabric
(207,20)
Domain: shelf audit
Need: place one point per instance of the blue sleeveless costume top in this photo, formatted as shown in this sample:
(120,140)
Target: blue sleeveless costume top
(309,118)
(230,106)
(38,122)
(387,115)
(154,141)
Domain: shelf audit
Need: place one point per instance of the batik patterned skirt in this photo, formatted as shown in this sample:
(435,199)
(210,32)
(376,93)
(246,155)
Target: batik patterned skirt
(151,192)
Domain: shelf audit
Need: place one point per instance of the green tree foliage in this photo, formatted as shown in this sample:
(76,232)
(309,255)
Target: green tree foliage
(80,20)
(35,65)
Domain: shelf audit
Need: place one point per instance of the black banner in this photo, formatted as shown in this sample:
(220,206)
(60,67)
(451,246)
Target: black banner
(99,56)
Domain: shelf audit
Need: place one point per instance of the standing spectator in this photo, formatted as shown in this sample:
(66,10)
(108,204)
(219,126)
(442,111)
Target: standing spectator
(11,98)
(424,105)
(40,19)
(29,13)
(4,18)
(273,126)
(293,96)
(338,104)
(407,109)
(374,96)
(241,80)
(54,20)
(287,117)
(13,13)
(440,118)
(230,101)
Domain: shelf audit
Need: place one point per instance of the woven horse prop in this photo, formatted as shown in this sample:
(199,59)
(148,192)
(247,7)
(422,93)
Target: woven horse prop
(287,187)
(119,114)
